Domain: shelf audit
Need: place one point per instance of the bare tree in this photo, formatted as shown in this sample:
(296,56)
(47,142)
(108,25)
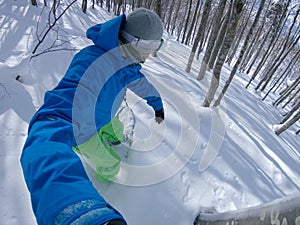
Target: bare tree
(245,20)
(200,33)
(236,10)
(213,35)
(180,27)
(175,17)
(278,19)
(50,26)
(293,97)
(287,92)
(193,22)
(187,20)
(288,124)
(241,54)
(256,44)
(284,75)
(171,12)
(219,41)
(286,48)
(158,11)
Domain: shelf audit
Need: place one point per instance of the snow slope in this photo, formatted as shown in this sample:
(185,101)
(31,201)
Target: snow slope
(223,158)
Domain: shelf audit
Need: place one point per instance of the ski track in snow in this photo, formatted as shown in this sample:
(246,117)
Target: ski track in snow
(243,162)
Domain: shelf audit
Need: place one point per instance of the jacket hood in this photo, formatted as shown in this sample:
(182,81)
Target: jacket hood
(105,35)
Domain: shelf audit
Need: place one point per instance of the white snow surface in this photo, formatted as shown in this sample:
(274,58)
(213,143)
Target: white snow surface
(222,158)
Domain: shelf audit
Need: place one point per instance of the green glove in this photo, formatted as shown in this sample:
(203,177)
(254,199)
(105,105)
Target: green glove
(99,154)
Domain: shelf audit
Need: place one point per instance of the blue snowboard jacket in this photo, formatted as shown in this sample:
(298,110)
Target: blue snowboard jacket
(85,99)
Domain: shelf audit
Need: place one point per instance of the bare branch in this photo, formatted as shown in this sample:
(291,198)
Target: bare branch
(51,25)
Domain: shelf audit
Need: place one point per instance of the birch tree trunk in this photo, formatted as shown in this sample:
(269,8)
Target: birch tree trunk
(240,57)
(187,21)
(272,69)
(213,35)
(200,33)
(159,13)
(236,11)
(239,38)
(284,74)
(170,15)
(193,23)
(283,53)
(219,41)
(181,24)
(175,17)
(292,97)
(257,43)
(288,124)
(274,32)
(287,92)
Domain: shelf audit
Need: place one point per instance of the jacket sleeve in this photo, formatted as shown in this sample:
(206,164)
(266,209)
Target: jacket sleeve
(61,192)
(143,88)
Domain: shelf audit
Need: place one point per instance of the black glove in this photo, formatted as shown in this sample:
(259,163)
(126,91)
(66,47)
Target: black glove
(159,115)
(115,222)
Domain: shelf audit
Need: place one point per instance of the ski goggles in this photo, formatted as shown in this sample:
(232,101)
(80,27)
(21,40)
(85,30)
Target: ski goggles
(144,47)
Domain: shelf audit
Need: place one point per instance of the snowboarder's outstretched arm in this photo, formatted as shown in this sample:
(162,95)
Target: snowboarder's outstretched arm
(143,88)
(61,192)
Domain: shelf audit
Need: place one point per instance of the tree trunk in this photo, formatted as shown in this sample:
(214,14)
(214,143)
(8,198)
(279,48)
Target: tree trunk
(219,41)
(291,98)
(181,24)
(284,74)
(33,2)
(158,8)
(159,13)
(108,6)
(288,124)
(239,38)
(283,53)
(193,22)
(175,17)
(187,21)
(170,15)
(118,7)
(259,39)
(287,92)
(236,10)
(274,37)
(272,69)
(200,33)
(213,35)
(84,5)
(139,3)
(233,72)
(291,112)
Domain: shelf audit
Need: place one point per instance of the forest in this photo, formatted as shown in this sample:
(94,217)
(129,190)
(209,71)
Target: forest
(257,38)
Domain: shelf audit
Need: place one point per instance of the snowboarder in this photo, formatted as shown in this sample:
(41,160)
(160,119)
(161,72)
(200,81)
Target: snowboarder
(79,114)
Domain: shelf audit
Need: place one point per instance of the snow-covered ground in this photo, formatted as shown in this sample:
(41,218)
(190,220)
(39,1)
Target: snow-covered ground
(224,158)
